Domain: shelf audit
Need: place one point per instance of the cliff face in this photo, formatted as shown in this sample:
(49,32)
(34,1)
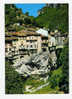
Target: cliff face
(39,64)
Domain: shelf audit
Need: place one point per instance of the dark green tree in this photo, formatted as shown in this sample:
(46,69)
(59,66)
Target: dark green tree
(27,13)
(14,81)
(54,17)
(27,20)
(64,60)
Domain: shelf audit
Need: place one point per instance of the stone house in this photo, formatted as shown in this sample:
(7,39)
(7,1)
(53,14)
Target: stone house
(25,44)
(31,42)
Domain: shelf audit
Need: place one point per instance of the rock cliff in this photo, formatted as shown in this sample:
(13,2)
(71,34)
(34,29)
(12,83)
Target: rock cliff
(36,64)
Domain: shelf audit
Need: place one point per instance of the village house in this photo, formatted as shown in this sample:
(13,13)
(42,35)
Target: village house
(25,44)
(31,42)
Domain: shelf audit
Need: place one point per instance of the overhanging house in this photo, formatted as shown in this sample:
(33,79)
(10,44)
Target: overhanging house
(30,42)
(26,44)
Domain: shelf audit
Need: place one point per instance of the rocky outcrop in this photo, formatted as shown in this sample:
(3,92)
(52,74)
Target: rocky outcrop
(36,64)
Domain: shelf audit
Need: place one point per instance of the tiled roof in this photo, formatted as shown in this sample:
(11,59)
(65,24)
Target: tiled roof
(21,33)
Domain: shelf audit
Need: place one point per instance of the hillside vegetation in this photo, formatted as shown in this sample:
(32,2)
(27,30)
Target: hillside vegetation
(54,18)
(51,17)
(15,20)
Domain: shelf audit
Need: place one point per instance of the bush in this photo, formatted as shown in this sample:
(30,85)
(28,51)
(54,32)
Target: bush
(14,81)
(64,60)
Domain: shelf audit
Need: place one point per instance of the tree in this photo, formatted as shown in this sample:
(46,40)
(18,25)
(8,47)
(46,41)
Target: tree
(55,77)
(27,13)
(64,60)
(10,14)
(54,17)
(14,81)
(19,12)
(27,20)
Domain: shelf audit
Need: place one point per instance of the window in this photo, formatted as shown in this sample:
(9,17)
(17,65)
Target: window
(31,46)
(9,49)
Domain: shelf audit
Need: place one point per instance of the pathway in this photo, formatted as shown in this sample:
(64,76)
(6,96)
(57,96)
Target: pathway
(38,88)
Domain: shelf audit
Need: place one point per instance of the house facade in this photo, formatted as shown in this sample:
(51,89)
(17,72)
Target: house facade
(25,44)
(31,43)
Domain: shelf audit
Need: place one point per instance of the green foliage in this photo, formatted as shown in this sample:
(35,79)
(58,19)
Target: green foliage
(50,17)
(64,59)
(14,81)
(58,53)
(54,18)
(14,15)
(19,12)
(27,13)
(55,78)
(27,20)
(59,78)
(10,14)
(21,21)
(34,82)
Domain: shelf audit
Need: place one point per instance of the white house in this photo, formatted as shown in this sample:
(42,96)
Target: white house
(42,32)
